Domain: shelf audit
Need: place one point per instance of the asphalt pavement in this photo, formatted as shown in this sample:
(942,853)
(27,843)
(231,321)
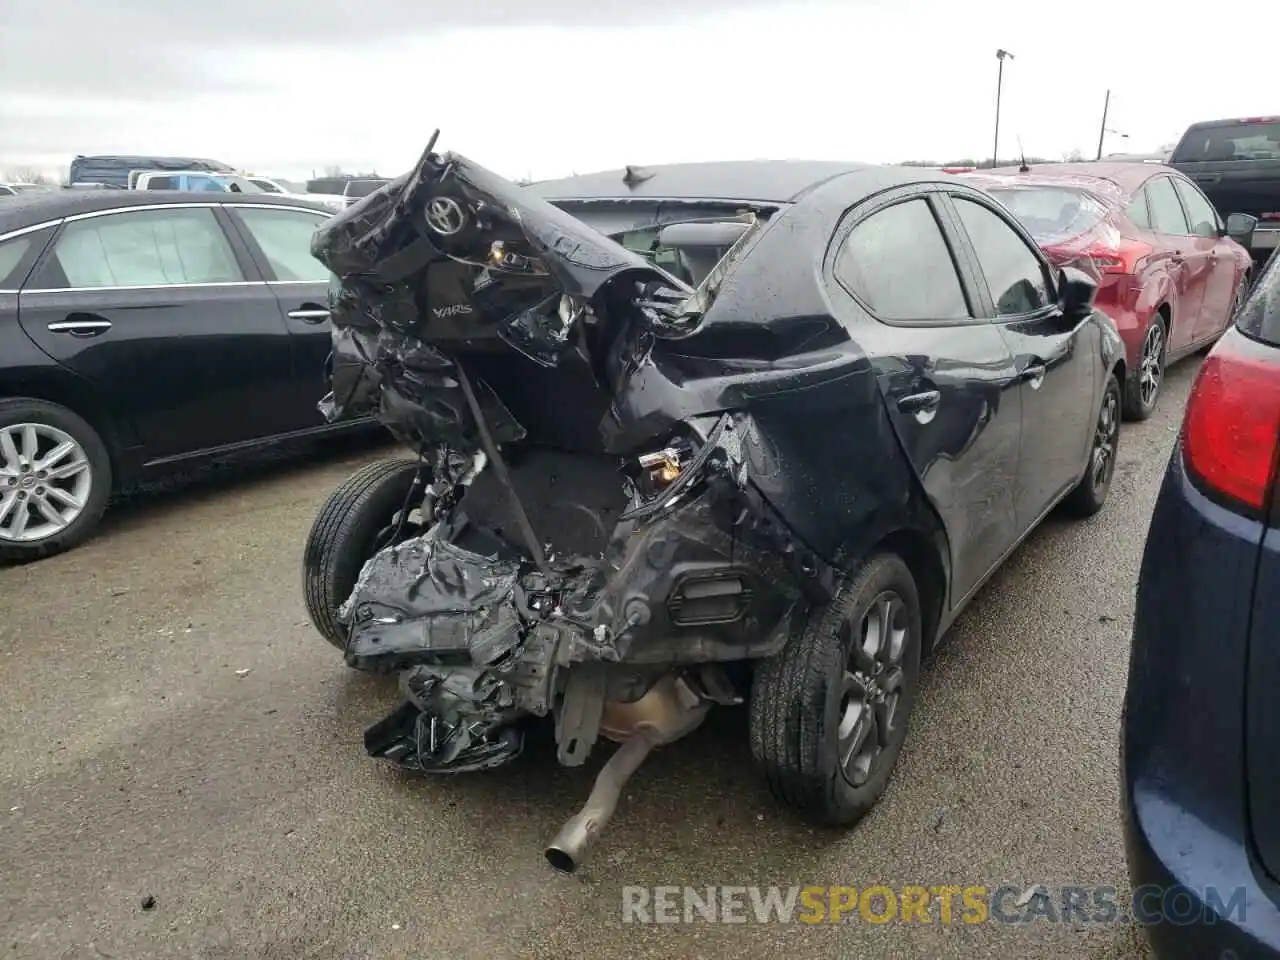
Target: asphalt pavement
(182,775)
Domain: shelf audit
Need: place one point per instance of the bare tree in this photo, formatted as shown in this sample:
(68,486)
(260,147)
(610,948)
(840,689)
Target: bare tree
(1074,156)
(25,175)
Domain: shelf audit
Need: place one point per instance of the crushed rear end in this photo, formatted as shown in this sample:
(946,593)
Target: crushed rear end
(583,540)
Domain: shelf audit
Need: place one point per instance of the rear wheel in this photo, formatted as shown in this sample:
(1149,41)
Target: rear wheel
(55,479)
(1143,387)
(829,712)
(357,520)
(1091,493)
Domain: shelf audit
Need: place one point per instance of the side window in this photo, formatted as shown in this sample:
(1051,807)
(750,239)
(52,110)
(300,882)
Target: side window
(11,254)
(285,239)
(160,183)
(1166,211)
(897,263)
(1137,211)
(146,248)
(1200,213)
(7,191)
(1014,272)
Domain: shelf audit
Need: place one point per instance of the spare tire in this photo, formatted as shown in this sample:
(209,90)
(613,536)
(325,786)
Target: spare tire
(351,526)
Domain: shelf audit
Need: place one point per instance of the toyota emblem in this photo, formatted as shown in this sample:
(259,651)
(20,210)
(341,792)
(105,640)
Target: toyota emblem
(445,216)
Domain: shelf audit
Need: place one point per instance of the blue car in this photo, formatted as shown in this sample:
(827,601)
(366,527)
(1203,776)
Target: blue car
(1200,746)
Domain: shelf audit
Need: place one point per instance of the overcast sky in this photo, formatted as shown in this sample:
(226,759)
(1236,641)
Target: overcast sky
(548,87)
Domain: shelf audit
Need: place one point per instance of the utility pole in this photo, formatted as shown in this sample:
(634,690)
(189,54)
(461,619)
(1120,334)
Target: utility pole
(1102,132)
(1000,56)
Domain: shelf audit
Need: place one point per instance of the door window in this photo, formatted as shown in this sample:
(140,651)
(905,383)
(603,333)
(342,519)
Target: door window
(1014,272)
(1137,211)
(160,183)
(1200,213)
(898,264)
(1166,211)
(285,239)
(142,248)
(11,254)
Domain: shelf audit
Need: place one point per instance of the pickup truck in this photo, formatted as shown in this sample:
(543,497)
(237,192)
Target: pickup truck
(201,181)
(115,170)
(1237,165)
(191,180)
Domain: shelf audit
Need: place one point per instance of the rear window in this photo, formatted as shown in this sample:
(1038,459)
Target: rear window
(1052,214)
(1233,141)
(1260,316)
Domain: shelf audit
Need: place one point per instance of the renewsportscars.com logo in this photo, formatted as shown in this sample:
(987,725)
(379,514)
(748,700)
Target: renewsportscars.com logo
(943,904)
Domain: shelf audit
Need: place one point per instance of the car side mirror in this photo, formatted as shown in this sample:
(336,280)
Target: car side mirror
(1076,290)
(1240,227)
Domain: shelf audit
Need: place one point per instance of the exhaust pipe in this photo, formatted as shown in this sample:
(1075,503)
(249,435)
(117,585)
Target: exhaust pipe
(569,848)
(666,713)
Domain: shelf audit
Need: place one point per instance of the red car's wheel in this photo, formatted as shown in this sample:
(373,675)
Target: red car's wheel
(1144,382)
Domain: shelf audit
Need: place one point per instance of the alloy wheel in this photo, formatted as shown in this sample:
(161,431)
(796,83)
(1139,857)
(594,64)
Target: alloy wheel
(1106,434)
(45,481)
(872,684)
(1151,369)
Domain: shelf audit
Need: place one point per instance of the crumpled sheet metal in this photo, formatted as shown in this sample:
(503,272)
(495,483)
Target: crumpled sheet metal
(429,597)
(454,720)
(386,358)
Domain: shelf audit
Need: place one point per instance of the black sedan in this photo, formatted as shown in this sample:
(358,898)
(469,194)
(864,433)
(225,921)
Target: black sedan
(755,430)
(139,331)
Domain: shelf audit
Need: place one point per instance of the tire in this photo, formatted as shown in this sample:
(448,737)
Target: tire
(1091,493)
(52,426)
(350,527)
(1136,406)
(800,696)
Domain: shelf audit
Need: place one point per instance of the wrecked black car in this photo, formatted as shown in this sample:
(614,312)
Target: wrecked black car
(690,436)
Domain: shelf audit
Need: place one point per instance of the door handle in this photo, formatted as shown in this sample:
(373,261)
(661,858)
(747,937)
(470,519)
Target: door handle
(923,406)
(80,328)
(1033,374)
(309,315)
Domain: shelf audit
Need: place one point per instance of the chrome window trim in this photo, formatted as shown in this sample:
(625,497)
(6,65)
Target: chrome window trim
(14,234)
(147,286)
(194,204)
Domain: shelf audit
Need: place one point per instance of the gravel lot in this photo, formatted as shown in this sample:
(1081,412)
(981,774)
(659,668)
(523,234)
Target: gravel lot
(137,763)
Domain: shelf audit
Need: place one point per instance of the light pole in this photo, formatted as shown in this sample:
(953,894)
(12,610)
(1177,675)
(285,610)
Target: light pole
(1102,132)
(1000,56)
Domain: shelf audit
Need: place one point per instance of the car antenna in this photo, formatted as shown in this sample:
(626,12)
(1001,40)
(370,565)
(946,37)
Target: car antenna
(1022,153)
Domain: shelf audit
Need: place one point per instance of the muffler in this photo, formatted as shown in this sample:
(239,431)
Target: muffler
(667,712)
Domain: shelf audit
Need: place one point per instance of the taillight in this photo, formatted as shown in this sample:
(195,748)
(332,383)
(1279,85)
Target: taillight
(1231,432)
(1121,256)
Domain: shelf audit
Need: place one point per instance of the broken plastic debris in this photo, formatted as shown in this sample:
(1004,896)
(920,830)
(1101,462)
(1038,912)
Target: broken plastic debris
(243,673)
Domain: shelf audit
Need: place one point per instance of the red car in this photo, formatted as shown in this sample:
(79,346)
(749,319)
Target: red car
(1169,272)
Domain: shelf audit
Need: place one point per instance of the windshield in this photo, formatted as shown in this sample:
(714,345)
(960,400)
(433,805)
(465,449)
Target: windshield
(1233,141)
(1051,214)
(266,186)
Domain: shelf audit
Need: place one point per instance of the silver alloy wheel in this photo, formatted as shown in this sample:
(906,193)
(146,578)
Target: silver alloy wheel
(1104,440)
(1151,369)
(872,685)
(45,481)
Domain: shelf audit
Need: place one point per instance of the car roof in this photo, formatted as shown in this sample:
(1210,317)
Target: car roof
(1126,175)
(27,210)
(761,181)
